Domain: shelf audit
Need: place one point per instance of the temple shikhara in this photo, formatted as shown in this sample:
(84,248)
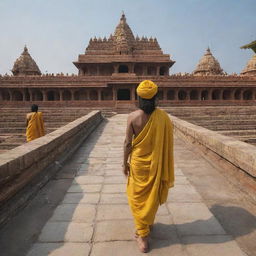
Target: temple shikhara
(111,68)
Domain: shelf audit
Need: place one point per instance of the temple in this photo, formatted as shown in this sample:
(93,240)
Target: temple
(111,68)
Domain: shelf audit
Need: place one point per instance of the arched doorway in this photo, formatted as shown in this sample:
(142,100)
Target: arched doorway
(6,95)
(53,95)
(204,95)
(123,94)
(216,95)
(151,71)
(37,95)
(17,96)
(93,95)
(182,95)
(238,94)
(247,95)
(123,69)
(80,95)
(194,95)
(162,71)
(66,95)
(170,95)
(106,94)
(226,95)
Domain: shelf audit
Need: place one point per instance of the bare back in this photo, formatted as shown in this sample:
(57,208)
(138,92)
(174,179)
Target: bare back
(138,121)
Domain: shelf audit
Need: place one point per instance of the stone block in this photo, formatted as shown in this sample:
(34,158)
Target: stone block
(211,246)
(183,193)
(120,198)
(66,232)
(115,179)
(194,219)
(59,249)
(114,230)
(76,213)
(114,188)
(113,212)
(81,198)
(81,180)
(130,248)
(84,188)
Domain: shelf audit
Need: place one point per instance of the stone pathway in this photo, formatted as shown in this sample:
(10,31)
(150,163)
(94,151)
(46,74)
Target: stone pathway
(94,218)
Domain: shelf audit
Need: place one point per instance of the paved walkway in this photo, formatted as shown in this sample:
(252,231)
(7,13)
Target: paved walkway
(94,218)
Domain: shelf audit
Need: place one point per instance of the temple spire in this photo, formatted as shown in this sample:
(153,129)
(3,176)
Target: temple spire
(208,65)
(123,36)
(25,65)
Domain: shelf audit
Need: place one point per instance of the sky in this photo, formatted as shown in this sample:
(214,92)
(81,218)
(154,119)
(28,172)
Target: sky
(56,31)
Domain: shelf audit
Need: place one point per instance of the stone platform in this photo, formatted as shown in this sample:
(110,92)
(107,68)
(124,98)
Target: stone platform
(84,210)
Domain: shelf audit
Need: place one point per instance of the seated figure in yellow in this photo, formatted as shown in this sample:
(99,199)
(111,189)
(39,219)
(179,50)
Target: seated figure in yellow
(148,160)
(35,124)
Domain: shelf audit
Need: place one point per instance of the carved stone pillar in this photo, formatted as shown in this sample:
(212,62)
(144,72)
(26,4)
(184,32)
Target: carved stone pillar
(158,70)
(115,68)
(133,94)
(144,71)
(131,68)
(99,94)
(210,94)
(233,94)
(23,95)
(72,95)
(176,94)
(30,95)
(61,95)
(10,92)
(114,93)
(164,94)
(44,95)
(221,94)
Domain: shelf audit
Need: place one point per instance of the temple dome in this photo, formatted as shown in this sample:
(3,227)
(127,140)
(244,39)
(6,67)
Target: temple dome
(123,36)
(250,69)
(25,65)
(208,65)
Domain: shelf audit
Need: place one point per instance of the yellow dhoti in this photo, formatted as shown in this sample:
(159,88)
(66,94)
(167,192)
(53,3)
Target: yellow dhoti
(151,170)
(35,128)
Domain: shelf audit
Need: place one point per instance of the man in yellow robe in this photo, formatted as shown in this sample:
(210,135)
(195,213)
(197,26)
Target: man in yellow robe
(35,124)
(148,160)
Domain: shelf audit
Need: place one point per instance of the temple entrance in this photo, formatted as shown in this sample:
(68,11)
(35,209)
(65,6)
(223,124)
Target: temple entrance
(123,94)
(123,69)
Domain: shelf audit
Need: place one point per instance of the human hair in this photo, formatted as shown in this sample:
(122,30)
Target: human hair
(34,108)
(147,105)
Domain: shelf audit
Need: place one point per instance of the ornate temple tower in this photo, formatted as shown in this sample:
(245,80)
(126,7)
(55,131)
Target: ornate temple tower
(122,53)
(250,69)
(25,65)
(208,65)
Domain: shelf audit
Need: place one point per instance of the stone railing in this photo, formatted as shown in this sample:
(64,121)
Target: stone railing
(240,154)
(20,165)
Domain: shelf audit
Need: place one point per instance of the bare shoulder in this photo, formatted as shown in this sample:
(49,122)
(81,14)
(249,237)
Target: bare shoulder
(29,115)
(133,115)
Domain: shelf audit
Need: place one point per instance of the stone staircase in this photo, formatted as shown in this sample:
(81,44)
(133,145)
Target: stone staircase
(236,121)
(13,123)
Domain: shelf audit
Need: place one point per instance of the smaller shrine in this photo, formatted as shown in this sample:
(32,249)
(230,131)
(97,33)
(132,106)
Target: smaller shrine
(25,65)
(208,65)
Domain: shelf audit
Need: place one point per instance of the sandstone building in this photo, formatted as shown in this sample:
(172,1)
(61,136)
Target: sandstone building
(110,70)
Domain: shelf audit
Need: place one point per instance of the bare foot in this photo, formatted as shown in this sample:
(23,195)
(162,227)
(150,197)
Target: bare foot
(142,243)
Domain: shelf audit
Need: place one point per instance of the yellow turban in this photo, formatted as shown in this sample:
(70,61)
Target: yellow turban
(147,89)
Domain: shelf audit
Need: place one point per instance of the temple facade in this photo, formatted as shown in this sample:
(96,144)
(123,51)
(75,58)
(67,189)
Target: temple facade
(110,70)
